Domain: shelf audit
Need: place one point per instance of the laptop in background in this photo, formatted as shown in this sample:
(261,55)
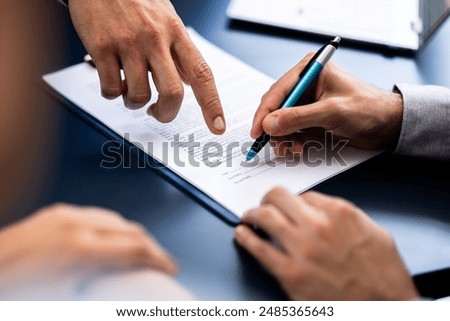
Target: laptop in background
(402,24)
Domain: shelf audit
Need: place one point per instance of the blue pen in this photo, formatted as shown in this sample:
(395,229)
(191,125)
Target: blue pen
(306,80)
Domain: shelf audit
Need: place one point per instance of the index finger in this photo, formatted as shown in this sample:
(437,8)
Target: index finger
(277,93)
(201,78)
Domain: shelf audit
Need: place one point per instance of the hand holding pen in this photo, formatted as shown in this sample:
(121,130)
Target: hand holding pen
(306,80)
(353,110)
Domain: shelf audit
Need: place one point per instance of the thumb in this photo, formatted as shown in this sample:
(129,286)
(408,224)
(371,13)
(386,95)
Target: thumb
(290,120)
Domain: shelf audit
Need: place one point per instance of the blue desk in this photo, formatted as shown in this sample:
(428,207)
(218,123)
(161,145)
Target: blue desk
(413,205)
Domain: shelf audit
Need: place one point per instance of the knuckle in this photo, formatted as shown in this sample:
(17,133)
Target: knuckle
(128,38)
(311,253)
(342,206)
(272,195)
(286,121)
(323,229)
(175,25)
(264,97)
(292,275)
(268,215)
(308,194)
(256,246)
(334,118)
(139,251)
(265,213)
(272,87)
(79,245)
(213,103)
(111,91)
(267,94)
(174,91)
(148,30)
(261,248)
(154,34)
(165,117)
(138,99)
(202,71)
(102,44)
(344,210)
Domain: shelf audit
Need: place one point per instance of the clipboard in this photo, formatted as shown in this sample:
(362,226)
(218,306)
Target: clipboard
(163,171)
(232,187)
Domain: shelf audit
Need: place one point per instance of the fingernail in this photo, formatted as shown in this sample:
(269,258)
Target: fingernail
(238,232)
(219,123)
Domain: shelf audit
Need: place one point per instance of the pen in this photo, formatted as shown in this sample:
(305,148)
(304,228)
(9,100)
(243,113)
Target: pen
(306,79)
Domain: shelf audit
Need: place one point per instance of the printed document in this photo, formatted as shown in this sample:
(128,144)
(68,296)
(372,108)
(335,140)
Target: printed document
(395,23)
(213,164)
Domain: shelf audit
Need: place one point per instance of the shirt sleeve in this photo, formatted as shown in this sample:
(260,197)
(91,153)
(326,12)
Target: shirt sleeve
(425,128)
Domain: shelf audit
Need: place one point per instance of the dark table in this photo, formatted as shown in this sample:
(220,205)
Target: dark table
(412,204)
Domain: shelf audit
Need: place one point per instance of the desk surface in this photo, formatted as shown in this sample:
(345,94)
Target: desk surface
(412,204)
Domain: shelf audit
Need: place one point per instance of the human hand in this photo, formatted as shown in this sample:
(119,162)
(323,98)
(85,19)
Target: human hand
(327,249)
(368,117)
(62,245)
(143,35)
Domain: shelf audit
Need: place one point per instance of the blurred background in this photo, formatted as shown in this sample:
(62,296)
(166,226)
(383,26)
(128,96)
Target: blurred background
(29,121)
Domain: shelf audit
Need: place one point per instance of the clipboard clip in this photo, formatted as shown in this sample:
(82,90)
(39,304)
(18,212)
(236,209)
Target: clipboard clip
(417,26)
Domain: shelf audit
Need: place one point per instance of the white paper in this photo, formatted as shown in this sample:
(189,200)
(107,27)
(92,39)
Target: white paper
(390,22)
(232,183)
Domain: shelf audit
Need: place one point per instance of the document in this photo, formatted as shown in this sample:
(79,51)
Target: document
(215,165)
(395,23)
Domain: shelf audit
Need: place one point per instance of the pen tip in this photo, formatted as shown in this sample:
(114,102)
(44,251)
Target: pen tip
(251,154)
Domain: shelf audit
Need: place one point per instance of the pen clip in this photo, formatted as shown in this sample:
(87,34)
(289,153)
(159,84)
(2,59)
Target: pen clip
(310,62)
(333,42)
